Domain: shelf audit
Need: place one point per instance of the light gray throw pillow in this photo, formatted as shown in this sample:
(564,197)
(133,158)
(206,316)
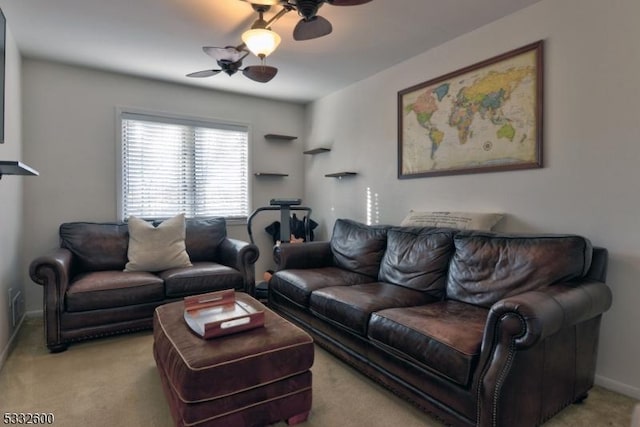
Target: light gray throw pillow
(157,248)
(459,220)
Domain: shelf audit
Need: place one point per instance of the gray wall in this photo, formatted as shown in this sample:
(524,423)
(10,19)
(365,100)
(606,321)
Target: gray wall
(71,137)
(591,150)
(11,196)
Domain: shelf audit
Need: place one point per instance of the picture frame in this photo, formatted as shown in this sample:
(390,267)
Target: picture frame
(486,117)
(3,41)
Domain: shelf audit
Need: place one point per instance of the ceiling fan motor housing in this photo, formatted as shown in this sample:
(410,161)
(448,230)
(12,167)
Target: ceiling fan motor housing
(308,8)
(228,66)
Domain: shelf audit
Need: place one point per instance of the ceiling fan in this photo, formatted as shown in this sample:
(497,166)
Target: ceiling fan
(229,60)
(310,26)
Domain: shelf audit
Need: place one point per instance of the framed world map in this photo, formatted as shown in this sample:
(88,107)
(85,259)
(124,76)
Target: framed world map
(486,117)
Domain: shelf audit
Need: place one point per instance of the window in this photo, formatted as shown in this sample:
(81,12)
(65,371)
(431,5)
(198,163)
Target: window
(174,165)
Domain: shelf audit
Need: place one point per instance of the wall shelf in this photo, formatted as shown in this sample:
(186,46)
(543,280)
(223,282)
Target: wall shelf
(280,138)
(10,167)
(275,136)
(271,174)
(317,150)
(340,175)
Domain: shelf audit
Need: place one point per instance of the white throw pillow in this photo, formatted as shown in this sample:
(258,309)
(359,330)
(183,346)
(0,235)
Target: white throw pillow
(157,248)
(459,220)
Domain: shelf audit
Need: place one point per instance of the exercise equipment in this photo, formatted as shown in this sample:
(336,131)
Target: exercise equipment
(285,206)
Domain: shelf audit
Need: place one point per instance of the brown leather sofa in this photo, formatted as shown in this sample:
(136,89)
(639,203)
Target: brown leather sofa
(87,294)
(476,328)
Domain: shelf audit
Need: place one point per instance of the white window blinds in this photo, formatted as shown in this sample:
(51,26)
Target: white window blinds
(170,166)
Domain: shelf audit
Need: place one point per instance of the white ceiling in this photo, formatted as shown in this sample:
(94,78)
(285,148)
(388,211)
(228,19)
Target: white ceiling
(162,39)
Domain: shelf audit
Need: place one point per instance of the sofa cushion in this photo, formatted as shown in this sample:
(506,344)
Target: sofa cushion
(200,278)
(298,284)
(109,289)
(351,306)
(204,235)
(417,258)
(488,267)
(358,247)
(444,336)
(158,248)
(96,246)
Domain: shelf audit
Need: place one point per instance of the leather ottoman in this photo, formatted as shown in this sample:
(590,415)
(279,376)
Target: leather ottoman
(251,378)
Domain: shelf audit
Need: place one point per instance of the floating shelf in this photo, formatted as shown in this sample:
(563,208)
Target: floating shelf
(340,174)
(280,137)
(272,174)
(317,150)
(15,168)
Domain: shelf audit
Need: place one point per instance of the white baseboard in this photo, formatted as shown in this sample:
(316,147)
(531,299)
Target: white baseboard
(10,344)
(618,387)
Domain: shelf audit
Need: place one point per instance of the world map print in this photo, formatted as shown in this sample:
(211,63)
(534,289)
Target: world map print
(484,117)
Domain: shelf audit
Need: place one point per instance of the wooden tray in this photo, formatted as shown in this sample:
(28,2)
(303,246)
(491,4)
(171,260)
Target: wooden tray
(218,313)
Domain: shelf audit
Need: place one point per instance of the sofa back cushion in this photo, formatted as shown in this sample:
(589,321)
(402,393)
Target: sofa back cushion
(204,235)
(358,247)
(104,246)
(488,267)
(417,258)
(96,246)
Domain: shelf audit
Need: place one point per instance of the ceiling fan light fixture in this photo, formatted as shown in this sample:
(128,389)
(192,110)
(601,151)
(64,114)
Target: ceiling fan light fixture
(261,41)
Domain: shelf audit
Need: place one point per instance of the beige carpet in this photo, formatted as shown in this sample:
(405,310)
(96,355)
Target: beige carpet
(114,382)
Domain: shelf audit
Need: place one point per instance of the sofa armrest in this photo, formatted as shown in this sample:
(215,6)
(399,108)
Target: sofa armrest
(53,272)
(303,255)
(531,322)
(533,316)
(242,256)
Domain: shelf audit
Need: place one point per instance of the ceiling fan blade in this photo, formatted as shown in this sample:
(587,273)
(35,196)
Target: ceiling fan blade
(260,73)
(229,53)
(312,28)
(347,2)
(205,73)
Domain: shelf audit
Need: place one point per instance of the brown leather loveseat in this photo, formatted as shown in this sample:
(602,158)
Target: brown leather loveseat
(477,328)
(87,294)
